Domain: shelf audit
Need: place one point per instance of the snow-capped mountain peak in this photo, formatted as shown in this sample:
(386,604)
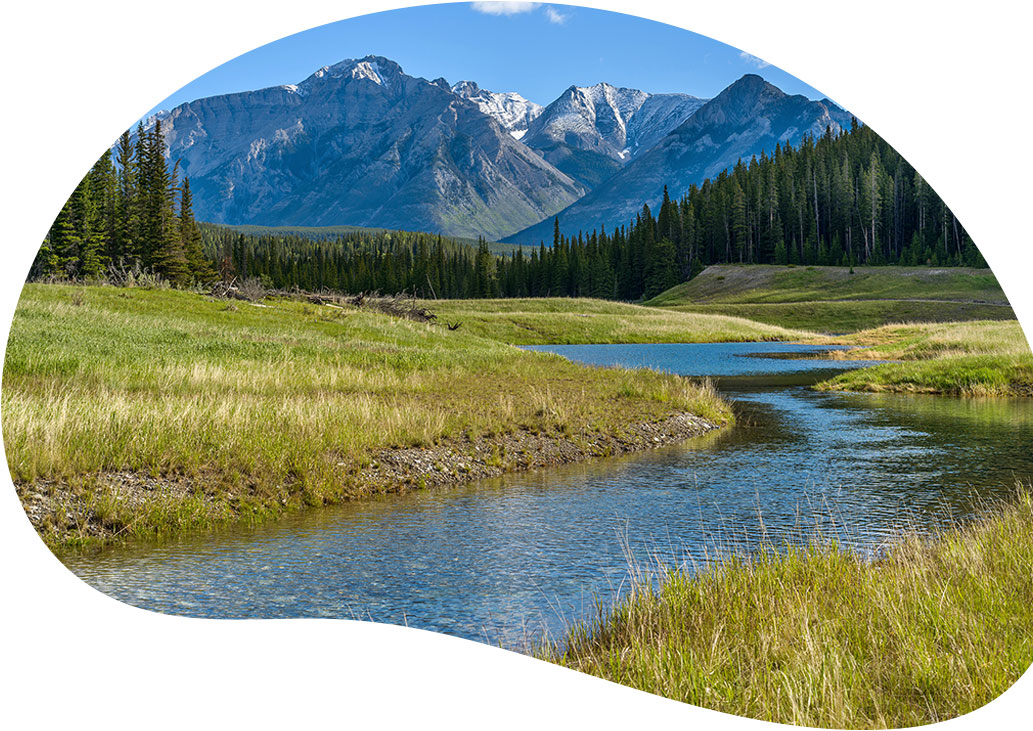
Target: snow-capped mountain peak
(377,69)
(589,132)
(511,110)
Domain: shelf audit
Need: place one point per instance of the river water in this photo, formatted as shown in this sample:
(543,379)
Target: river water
(513,559)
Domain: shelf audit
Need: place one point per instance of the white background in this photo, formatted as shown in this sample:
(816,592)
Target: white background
(947,84)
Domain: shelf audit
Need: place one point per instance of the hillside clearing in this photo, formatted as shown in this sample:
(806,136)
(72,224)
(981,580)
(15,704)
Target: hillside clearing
(759,283)
(832,300)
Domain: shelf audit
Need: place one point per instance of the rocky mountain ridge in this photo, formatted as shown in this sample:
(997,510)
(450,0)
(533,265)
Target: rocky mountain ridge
(362,143)
(749,117)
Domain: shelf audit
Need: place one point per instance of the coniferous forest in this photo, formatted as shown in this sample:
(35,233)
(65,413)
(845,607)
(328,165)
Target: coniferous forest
(846,199)
(131,210)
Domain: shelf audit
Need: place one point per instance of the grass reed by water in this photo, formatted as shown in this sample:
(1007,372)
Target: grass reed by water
(819,636)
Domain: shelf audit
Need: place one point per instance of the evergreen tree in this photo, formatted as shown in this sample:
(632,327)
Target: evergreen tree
(200,268)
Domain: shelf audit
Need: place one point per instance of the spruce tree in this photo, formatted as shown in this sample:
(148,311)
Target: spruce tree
(199,266)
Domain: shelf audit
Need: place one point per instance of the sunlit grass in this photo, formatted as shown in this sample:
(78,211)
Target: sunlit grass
(850,315)
(982,358)
(278,405)
(562,320)
(818,636)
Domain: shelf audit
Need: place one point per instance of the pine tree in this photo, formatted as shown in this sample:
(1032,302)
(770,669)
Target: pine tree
(739,226)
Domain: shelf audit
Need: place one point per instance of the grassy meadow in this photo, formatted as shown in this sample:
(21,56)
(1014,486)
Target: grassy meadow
(817,636)
(261,407)
(576,321)
(982,358)
(834,300)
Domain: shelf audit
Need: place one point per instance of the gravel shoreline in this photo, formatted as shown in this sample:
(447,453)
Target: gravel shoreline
(66,514)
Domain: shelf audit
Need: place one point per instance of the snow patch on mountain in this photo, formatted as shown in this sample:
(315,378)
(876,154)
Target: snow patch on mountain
(377,69)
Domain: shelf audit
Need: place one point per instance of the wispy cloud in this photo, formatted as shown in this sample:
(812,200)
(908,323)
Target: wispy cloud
(750,58)
(504,8)
(555,16)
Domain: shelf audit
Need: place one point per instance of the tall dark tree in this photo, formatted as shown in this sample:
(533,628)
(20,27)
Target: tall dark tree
(199,266)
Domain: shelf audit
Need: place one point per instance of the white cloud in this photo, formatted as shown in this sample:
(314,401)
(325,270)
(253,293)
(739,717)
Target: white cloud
(555,16)
(749,58)
(504,8)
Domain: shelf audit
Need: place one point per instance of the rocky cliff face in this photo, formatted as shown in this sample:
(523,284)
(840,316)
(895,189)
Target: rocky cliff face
(361,143)
(748,117)
(590,132)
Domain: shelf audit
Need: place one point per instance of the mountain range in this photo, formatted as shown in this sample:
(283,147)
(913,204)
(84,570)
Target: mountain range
(362,143)
(747,118)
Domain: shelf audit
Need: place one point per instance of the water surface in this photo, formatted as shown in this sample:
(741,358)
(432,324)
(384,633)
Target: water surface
(508,559)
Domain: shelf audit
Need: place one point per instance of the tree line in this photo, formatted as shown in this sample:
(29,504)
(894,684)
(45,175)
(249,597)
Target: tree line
(846,199)
(357,261)
(130,211)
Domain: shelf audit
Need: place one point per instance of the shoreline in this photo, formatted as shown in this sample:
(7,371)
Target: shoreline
(84,513)
(964,359)
(936,628)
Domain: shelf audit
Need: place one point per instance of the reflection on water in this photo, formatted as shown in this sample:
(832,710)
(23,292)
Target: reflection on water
(504,560)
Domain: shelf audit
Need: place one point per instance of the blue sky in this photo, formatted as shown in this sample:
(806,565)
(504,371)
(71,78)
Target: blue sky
(537,49)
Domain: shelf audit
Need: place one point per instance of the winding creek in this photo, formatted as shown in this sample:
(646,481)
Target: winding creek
(507,559)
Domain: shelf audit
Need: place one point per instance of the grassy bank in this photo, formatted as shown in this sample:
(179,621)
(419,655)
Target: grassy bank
(834,300)
(132,412)
(964,359)
(818,637)
(563,320)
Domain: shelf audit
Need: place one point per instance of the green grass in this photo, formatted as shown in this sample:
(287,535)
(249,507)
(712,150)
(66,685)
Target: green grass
(976,375)
(831,299)
(851,315)
(561,320)
(816,636)
(264,408)
(985,358)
